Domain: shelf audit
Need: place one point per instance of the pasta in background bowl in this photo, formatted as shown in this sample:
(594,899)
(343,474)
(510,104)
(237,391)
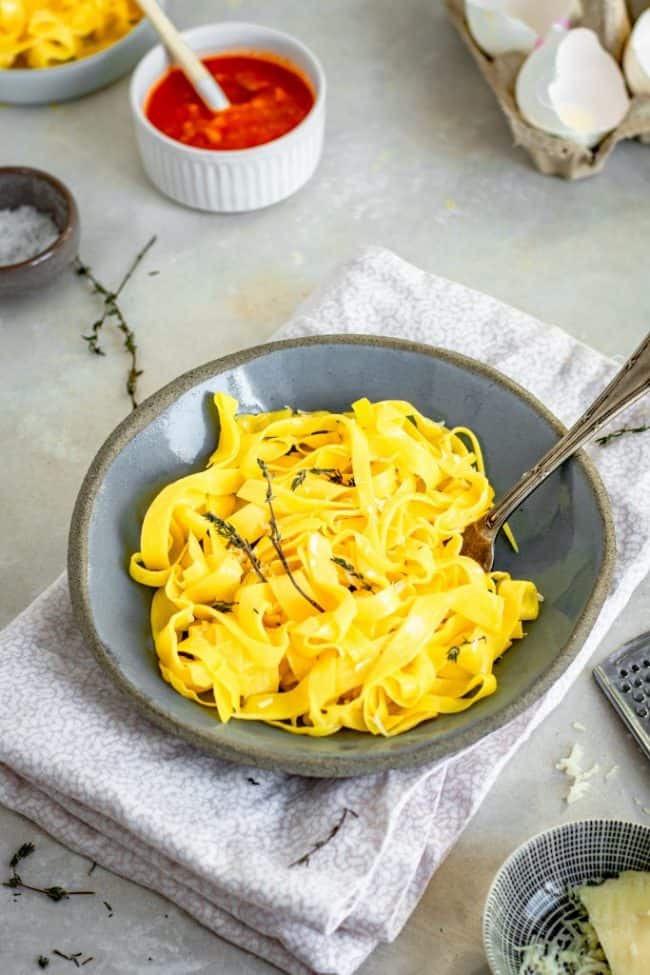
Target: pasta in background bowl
(564,533)
(56,50)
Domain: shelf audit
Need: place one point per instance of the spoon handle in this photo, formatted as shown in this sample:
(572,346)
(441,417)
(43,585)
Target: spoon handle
(192,66)
(627,386)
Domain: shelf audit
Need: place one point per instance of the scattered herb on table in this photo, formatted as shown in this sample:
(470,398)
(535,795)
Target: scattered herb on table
(252,781)
(306,857)
(623,432)
(43,961)
(55,893)
(74,957)
(276,537)
(92,867)
(112,311)
(108,908)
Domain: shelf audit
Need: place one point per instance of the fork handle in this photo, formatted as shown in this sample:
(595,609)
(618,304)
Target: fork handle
(627,386)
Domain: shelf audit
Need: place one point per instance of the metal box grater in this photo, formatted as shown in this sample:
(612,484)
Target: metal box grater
(625,678)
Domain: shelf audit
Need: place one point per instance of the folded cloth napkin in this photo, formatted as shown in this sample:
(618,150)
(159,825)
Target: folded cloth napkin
(220,840)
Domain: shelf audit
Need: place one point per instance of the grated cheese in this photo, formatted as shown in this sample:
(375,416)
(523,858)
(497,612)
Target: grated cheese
(577,726)
(576,951)
(572,767)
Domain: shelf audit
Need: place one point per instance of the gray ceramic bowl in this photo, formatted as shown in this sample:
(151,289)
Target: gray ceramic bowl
(22,186)
(528,900)
(34,86)
(565,533)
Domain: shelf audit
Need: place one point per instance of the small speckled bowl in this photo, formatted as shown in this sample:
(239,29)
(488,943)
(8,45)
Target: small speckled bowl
(529,899)
(37,86)
(21,186)
(564,531)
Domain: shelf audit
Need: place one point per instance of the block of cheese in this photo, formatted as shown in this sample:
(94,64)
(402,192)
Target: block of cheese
(619,910)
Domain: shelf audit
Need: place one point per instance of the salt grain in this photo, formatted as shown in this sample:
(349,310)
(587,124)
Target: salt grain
(24,233)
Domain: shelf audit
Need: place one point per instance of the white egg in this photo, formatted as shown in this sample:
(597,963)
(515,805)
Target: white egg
(571,87)
(499,26)
(636,61)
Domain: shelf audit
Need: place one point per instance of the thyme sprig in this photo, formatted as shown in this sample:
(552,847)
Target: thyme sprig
(350,569)
(232,536)
(73,957)
(276,537)
(306,857)
(55,893)
(623,432)
(112,310)
(332,474)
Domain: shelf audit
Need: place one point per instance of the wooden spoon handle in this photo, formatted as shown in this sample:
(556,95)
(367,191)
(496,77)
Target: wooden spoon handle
(192,66)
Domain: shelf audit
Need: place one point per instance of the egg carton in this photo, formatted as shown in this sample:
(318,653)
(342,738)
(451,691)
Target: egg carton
(551,154)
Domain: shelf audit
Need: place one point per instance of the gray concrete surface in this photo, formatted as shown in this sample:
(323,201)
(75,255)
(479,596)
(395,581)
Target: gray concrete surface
(418,159)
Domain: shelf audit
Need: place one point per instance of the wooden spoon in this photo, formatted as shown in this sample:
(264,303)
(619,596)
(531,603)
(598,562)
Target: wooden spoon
(192,67)
(627,386)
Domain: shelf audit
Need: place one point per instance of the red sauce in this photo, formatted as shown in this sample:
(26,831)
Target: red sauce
(267,98)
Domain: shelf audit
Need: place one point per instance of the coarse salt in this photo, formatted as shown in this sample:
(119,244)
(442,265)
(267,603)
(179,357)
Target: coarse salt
(24,233)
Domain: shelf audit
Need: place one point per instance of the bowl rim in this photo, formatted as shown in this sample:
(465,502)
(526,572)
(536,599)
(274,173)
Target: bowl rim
(73,64)
(266,148)
(486,924)
(265,756)
(64,235)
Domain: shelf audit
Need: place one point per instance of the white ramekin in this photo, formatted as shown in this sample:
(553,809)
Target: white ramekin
(231,181)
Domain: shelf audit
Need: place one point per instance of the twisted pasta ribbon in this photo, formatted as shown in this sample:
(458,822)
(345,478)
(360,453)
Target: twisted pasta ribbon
(312,576)
(44,33)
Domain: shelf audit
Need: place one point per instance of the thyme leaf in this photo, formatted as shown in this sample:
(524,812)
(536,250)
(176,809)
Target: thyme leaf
(623,432)
(223,607)
(331,473)
(112,310)
(276,537)
(23,851)
(306,857)
(452,654)
(43,961)
(230,533)
(350,569)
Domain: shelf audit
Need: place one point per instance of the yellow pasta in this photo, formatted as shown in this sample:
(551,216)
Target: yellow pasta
(312,576)
(45,33)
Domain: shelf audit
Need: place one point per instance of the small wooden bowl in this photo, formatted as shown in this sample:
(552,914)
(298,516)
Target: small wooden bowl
(22,186)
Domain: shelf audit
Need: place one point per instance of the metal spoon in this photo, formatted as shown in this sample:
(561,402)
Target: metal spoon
(209,90)
(626,388)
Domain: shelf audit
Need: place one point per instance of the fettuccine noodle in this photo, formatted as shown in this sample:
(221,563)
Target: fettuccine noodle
(312,577)
(44,33)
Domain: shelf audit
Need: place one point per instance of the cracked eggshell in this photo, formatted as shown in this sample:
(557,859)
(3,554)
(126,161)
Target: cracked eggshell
(572,87)
(636,61)
(499,26)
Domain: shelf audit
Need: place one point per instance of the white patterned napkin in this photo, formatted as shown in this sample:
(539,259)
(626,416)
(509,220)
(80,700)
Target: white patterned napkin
(219,840)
